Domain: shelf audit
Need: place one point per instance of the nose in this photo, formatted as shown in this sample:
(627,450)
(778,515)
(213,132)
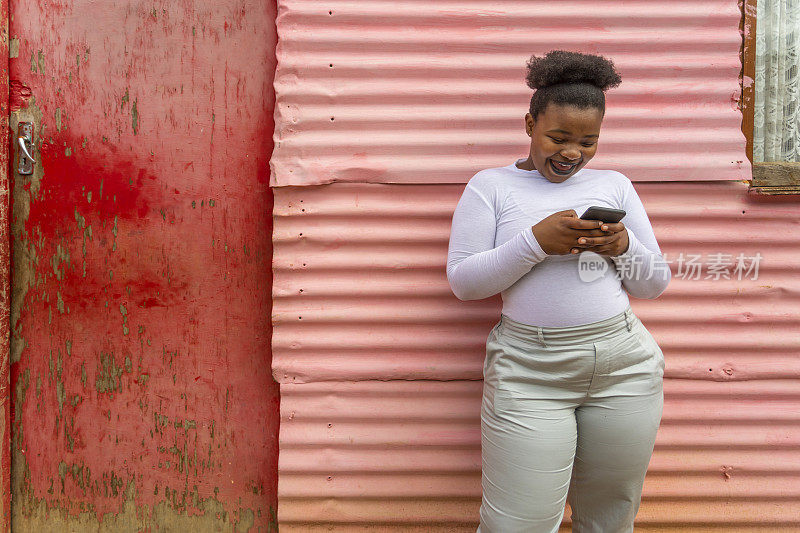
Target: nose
(570,153)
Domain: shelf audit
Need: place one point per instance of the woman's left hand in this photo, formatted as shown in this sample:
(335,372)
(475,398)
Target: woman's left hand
(612,244)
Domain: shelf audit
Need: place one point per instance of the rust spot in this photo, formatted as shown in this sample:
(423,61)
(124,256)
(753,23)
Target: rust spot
(726,472)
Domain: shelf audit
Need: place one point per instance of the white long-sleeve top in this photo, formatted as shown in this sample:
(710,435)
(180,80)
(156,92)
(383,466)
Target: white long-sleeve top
(493,250)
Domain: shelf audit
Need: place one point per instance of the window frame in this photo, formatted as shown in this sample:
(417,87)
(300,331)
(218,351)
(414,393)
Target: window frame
(774,177)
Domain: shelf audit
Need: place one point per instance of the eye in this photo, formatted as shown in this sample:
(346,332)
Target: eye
(588,144)
(557,140)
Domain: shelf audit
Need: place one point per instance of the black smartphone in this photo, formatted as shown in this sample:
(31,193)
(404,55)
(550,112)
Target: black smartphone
(604,214)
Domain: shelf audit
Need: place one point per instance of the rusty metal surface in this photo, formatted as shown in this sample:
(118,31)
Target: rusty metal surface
(140,362)
(5,284)
(431,92)
(380,365)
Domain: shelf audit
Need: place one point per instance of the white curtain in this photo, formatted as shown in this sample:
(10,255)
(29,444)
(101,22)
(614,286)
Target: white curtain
(777,84)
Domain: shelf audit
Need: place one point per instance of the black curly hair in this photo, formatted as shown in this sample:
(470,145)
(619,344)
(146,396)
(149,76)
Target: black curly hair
(570,78)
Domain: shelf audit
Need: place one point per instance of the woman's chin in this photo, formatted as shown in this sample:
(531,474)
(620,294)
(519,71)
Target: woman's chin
(557,178)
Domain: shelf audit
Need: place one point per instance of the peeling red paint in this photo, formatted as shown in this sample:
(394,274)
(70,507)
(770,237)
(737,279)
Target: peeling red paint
(5,288)
(19,94)
(140,319)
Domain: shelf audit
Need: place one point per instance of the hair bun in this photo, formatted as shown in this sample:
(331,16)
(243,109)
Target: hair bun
(562,66)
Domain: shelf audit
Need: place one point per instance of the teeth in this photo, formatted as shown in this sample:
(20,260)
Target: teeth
(562,166)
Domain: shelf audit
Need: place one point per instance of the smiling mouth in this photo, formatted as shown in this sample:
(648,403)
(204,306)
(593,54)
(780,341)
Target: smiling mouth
(562,169)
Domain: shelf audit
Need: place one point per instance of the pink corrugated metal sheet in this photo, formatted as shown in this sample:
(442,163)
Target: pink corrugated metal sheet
(380,365)
(431,92)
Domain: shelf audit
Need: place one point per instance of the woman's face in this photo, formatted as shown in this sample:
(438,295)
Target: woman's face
(563,139)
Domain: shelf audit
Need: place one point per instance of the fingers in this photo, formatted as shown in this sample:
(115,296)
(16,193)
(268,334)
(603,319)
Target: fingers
(589,233)
(580,224)
(616,227)
(604,227)
(602,250)
(592,243)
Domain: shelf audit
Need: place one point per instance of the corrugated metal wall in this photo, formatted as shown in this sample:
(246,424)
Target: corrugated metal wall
(431,92)
(380,365)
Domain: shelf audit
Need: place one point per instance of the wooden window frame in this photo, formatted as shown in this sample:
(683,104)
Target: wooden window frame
(771,178)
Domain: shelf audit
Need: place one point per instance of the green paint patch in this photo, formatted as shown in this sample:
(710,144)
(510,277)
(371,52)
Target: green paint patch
(13,48)
(67,151)
(80,219)
(246,520)
(69,434)
(81,476)
(61,257)
(17,436)
(58,119)
(61,395)
(168,355)
(109,375)
(60,303)
(135,118)
(124,311)
(40,61)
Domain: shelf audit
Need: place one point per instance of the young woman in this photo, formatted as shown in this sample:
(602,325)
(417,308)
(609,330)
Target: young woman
(572,393)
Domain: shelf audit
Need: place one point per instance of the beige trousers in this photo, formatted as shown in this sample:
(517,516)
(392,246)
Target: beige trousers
(568,413)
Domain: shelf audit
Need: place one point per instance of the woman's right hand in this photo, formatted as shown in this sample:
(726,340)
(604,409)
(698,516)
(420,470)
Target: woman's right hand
(558,233)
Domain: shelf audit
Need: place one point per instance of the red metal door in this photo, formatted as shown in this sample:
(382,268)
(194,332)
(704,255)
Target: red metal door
(141,390)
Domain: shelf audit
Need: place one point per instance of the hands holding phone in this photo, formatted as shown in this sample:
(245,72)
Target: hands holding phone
(564,233)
